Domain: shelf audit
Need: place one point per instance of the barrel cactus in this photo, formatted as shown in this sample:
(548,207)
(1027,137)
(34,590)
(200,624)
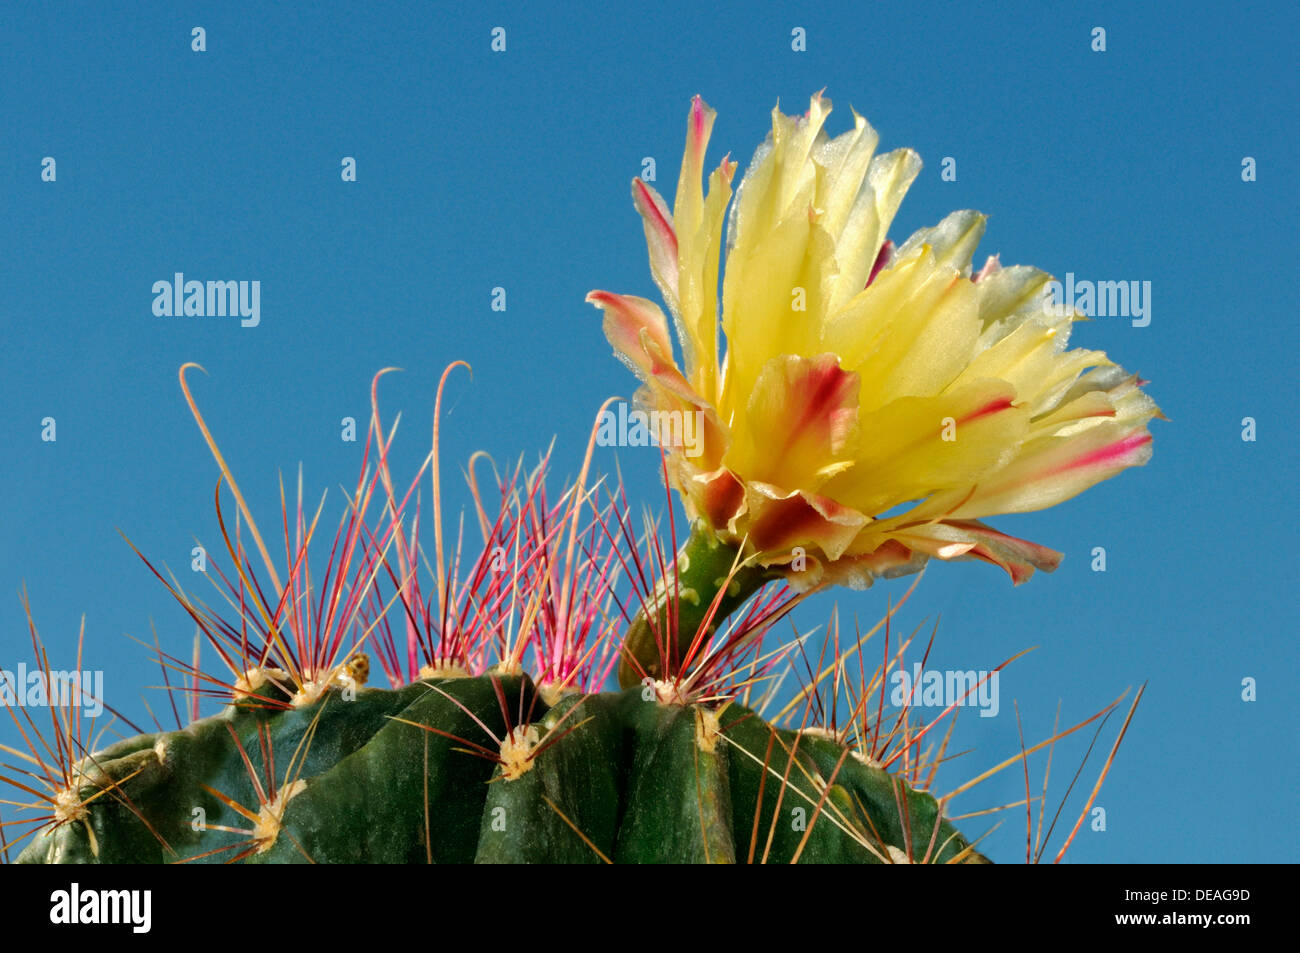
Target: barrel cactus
(857,436)
(389,778)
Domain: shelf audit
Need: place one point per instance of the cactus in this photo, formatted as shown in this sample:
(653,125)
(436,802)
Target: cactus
(489,749)
(496,739)
(385,778)
(495,747)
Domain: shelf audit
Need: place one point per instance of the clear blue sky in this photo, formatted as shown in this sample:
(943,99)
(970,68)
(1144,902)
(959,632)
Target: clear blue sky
(478,170)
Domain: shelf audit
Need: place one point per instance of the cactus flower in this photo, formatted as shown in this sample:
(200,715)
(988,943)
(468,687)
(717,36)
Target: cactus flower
(873,403)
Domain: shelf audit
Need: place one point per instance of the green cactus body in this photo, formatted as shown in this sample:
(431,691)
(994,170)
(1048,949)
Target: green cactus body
(622,777)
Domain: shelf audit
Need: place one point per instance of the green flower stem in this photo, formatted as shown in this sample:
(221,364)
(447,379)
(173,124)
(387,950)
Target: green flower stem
(702,567)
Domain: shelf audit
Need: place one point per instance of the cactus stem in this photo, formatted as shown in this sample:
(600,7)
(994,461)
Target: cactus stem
(707,582)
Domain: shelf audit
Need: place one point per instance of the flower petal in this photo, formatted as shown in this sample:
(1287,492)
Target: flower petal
(660,239)
(698,282)
(859,242)
(716,496)
(1053,469)
(915,446)
(800,425)
(630,322)
(970,539)
(779,521)
(952,242)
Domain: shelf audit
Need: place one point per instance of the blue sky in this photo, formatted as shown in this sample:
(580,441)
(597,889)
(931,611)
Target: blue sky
(478,169)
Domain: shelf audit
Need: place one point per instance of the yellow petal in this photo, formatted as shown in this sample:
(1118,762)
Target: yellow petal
(910,334)
(915,446)
(800,425)
(765,301)
(1052,469)
(660,239)
(859,241)
(698,281)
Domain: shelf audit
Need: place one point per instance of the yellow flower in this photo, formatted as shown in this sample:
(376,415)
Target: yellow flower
(873,402)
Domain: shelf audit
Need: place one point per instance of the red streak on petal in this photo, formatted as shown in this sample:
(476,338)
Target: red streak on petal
(698,132)
(1108,454)
(721,498)
(661,223)
(828,397)
(1018,571)
(997,406)
(1037,555)
(782,522)
(882,259)
(630,319)
(697,117)
(603,299)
